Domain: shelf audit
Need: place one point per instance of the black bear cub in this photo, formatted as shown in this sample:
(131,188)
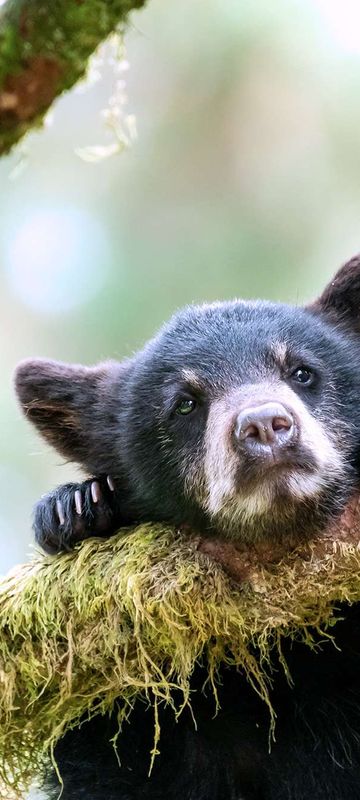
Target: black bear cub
(240,418)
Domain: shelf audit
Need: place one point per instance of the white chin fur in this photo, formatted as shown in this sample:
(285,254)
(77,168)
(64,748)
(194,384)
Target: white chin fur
(261,501)
(256,504)
(301,486)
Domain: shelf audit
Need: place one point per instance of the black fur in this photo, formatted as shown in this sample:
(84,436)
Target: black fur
(316,755)
(123,421)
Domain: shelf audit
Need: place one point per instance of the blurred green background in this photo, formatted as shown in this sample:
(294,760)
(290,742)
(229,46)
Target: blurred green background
(244,181)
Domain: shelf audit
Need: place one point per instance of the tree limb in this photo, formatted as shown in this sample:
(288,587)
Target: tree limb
(44,50)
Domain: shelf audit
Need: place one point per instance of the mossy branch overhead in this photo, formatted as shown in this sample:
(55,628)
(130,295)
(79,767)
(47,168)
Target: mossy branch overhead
(45,46)
(132,615)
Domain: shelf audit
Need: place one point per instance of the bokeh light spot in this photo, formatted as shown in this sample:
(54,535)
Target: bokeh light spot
(56,259)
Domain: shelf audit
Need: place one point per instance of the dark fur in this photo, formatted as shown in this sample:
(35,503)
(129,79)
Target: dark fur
(121,420)
(316,755)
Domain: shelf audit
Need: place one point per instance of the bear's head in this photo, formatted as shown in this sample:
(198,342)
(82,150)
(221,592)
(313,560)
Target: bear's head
(238,416)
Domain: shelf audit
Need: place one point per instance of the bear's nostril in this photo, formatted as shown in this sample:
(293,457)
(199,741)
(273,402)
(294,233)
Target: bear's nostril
(280,424)
(251,431)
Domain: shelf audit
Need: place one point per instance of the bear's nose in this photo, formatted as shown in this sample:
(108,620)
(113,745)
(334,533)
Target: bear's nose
(268,424)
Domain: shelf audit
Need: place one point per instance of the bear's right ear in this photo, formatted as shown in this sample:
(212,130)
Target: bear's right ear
(341,297)
(73,407)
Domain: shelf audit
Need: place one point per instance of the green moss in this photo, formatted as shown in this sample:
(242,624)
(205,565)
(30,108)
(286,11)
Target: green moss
(66,31)
(132,615)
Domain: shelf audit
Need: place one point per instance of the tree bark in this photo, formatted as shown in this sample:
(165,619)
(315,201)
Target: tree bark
(44,50)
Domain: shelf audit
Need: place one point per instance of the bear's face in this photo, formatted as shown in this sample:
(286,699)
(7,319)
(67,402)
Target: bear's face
(245,416)
(238,416)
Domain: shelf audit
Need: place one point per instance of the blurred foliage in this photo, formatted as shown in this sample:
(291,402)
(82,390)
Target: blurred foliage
(244,181)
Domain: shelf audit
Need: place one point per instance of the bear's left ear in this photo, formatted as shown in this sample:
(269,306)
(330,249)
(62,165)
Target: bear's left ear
(75,408)
(341,297)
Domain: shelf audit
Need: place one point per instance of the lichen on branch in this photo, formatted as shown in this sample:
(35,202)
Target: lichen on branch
(131,616)
(45,46)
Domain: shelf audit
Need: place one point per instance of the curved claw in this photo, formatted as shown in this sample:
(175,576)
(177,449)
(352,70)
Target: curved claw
(60,512)
(110,483)
(78,502)
(95,491)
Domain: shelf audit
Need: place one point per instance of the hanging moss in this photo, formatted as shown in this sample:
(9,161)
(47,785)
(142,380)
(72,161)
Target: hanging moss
(133,614)
(44,50)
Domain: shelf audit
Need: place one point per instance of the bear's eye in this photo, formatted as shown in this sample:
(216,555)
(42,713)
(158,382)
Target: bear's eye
(303,375)
(185,407)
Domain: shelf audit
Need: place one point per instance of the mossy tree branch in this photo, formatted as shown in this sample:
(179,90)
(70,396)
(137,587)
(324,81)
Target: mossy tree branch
(44,50)
(134,614)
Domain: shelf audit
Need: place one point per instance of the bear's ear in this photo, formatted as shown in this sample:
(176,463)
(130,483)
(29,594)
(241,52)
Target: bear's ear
(73,407)
(341,297)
